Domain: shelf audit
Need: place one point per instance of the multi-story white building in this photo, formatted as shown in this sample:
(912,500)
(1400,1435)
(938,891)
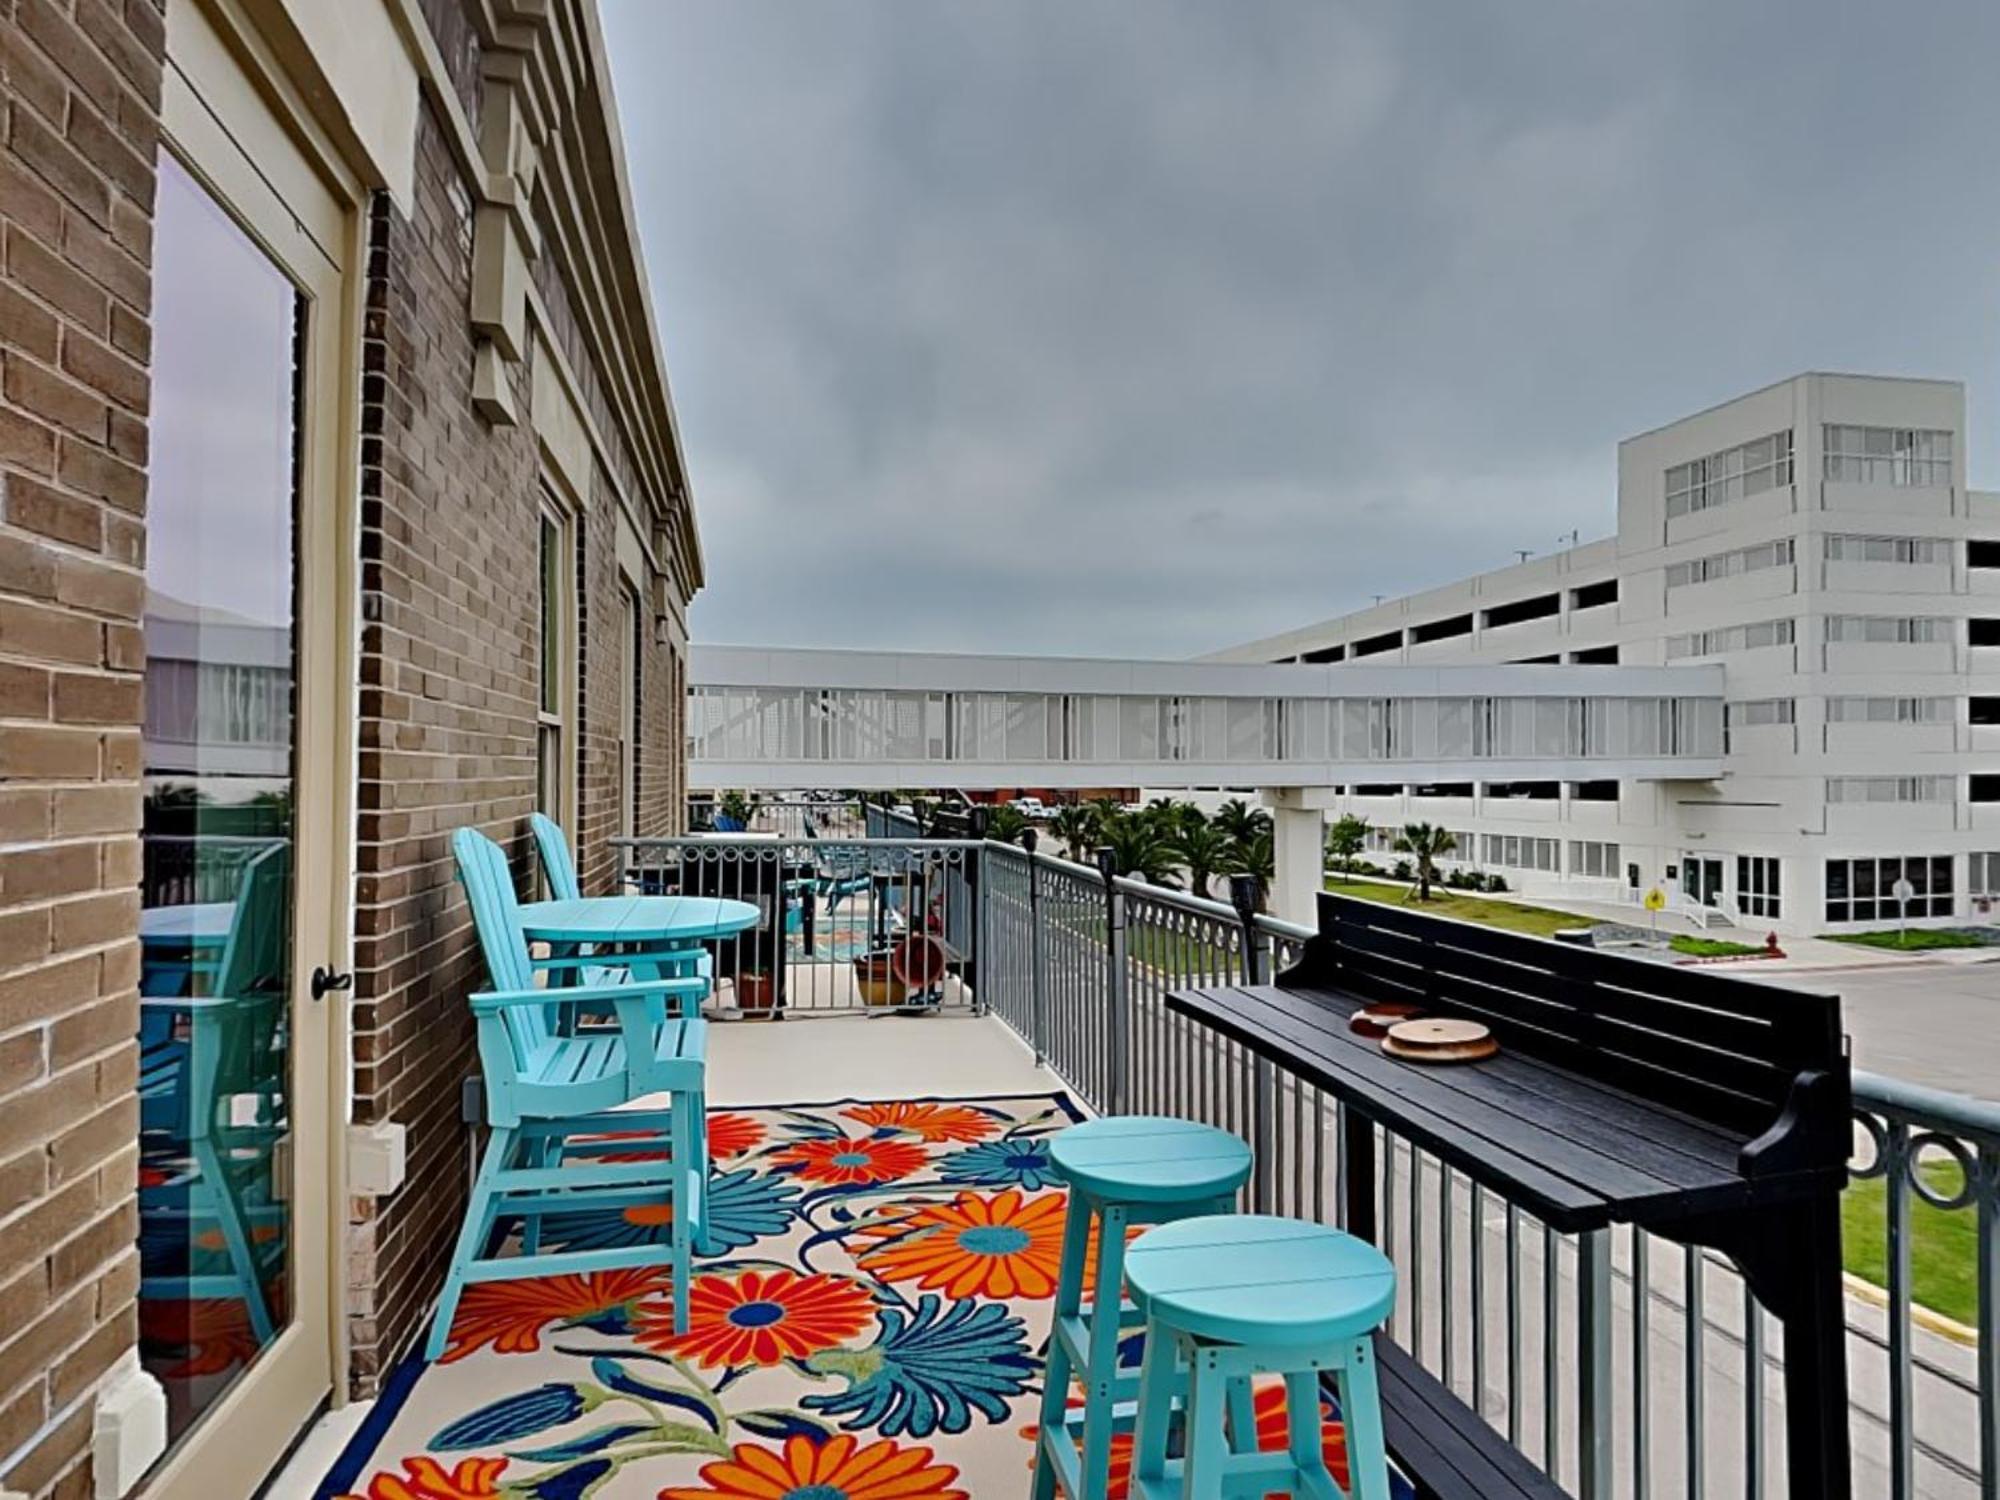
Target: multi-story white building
(1818,539)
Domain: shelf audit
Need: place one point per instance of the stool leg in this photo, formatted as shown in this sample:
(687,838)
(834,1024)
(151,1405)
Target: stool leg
(1157,1371)
(1242,1416)
(1100,1376)
(1207,1443)
(1361,1416)
(1056,1375)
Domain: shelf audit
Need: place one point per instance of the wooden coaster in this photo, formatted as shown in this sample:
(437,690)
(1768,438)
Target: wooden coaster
(1376,1020)
(1439,1041)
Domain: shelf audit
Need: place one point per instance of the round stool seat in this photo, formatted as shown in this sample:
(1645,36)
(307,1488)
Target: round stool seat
(1150,1159)
(1257,1279)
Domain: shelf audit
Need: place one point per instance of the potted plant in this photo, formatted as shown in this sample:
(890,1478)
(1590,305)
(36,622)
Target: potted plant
(875,976)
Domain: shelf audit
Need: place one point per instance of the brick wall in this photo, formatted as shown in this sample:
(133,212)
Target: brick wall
(79,100)
(449,690)
(448,694)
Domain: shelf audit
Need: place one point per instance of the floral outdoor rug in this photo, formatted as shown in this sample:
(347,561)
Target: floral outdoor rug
(873,1329)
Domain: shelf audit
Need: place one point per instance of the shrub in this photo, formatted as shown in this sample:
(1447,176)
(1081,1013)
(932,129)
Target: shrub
(1405,870)
(1496,883)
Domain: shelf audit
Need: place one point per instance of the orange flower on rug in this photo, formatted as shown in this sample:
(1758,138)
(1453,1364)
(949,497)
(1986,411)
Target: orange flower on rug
(935,1123)
(838,1469)
(1002,1245)
(427,1479)
(842,1162)
(510,1315)
(759,1318)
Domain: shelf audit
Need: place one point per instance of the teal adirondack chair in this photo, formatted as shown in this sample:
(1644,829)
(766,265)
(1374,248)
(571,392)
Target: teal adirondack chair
(544,1088)
(559,871)
(197,1055)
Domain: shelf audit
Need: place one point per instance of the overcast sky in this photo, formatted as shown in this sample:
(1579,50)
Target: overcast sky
(1141,327)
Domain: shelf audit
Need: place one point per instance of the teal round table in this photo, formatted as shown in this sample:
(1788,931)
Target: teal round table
(636,921)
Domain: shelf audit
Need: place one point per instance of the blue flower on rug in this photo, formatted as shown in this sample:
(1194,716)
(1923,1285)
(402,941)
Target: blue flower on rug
(744,1206)
(512,1418)
(929,1370)
(1002,1163)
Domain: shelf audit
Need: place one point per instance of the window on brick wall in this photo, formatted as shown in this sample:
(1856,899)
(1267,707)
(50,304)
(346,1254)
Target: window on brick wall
(632,653)
(557,668)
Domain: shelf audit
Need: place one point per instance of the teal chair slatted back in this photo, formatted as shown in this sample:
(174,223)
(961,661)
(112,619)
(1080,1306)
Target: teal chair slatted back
(557,866)
(496,913)
(256,957)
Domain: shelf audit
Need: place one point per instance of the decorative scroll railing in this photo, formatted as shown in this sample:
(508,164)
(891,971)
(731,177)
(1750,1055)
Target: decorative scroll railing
(1505,1311)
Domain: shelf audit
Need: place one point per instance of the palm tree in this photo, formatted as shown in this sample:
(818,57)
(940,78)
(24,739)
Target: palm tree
(1139,849)
(1076,826)
(1346,839)
(1426,845)
(1006,823)
(1256,856)
(1205,849)
(1240,822)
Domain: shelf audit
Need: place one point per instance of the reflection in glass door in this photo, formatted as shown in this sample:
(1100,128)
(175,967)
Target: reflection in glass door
(217,925)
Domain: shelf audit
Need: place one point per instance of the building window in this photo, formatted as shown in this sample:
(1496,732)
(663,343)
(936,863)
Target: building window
(1982,873)
(1887,455)
(1752,713)
(1848,710)
(1852,790)
(1589,860)
(1595,656)
(1757,886)
(1592,595)
(1518,852)
(1439,630)
(1888,549)
(1732,638)
(632,653)
(557,634)
(1984,788)
(1982,632)
(1733,474)
(1538,608)
(1756,559)
(1887,630)
(1864,890)
(1375,645)
(1982,552)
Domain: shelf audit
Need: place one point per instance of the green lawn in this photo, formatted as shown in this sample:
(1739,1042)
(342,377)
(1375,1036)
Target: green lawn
(1538,921)
(1701,947)
(1943,1248)
(1914,940)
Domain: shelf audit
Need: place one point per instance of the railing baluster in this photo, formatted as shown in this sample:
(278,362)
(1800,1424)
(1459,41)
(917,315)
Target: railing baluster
(1593,1337)
(1987,1187)
(1513,1325)
(1695,1375)
(1642,1354)
(1447,1322)
(1551,1342)
(1478,1239)
(1753,1396)
(1900,1164)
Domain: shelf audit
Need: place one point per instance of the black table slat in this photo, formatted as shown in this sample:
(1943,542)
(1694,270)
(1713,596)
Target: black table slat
(1554,1149)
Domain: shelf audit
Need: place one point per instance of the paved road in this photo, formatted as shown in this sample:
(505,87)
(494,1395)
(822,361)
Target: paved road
(1931,1023)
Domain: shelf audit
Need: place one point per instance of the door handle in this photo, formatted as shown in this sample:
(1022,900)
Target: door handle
(325,979)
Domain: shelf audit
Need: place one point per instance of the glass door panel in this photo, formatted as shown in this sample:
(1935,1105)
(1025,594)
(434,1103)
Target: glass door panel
(216,928)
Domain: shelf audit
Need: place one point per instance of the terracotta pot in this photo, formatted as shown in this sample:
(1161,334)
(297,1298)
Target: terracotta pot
(756,993)
(875,976)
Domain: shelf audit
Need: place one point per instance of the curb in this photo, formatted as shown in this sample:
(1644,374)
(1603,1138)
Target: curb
(1962,1334)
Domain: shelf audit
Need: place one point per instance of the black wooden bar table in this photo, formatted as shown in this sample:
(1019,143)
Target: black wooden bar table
(1708,1110)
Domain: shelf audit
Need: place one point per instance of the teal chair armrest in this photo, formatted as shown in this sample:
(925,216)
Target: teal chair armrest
(491,1002)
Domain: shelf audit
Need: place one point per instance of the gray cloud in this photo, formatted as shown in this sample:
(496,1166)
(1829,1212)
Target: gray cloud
(1101,326)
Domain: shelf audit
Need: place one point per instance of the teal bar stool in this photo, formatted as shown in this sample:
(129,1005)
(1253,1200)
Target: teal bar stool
(1121,1171)
(1237,1295)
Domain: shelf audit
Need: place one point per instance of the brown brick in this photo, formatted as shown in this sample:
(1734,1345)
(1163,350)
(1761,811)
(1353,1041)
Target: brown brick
(96,472)
(135,52)
(125,540)
(85,1033)
(27,324)
(129,439)
(105,260)
(130,333)
(105,370)
(95,809)
(60,165)
(34,506)
(99,139)
(132,228)
(69,49)
(91,698)
(91,921)
(24,815)
(31,204)
(54,398)
(27,566)
(26,443)
(31,77)
(24,691)
(24,939)
(124,648)
(53,1459)
(40,993)
(53,869)
(48,634)
(54,279)
(98,586)
(120,863)
(83,1149)
(46,751)
(86,1364)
